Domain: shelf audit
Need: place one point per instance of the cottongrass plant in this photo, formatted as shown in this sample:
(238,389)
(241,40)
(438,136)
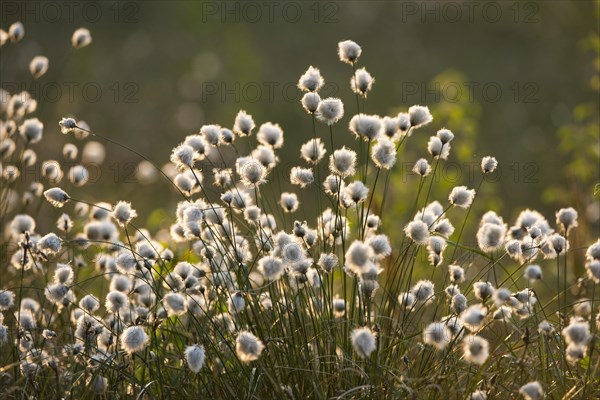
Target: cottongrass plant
(242,298)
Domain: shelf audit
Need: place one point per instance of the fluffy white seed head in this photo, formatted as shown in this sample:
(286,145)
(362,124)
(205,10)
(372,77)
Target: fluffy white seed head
(567,218)
(423,291)
(16,31)
(194,356)
(311,80)
(134,339)
(422,167)
(123,213)
(81,38)
(419,116)
(461,196)
(354,193)
(363,341)
(184,156)
(174,304)
(488,164)
(310,102)
(483,290)
(22,223)
(32,130)
(301,176)
(577,332)
(289,202)
(383,153)
(50,244)
(57,197)
(271,267)
(437,335)
(472,318)
(362,82)
(243,124)
(248,347)
(417,231)
(445,135)
(343,162)
(475,349)
(366,127)
(38,66)
(330,110)
(533,272)
(457,273)
(532,391)
(7,299)
(313,151)
(349,52)
(358,257)
(67,125)
(89,303)
(270,134)
(116,302)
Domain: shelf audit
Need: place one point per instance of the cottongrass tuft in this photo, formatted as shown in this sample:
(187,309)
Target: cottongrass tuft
(38,66)
(437,335)
(567,218)
(81,38)
(32,130)
(384,154)
(349,51)
(123,213)
(98,385)
(313,151)
(248,347)
(194,356)
(362,82)
(134,339)
(533,272)
(57,197)
(366,127)
(418,231)
(16,31)
(67,125)
(311,80)
(532,391)
(488,164)
(363,341)
(461,197)
(475,349)
(243,124)
(310,102)
(419,116)
(330,110)
(50,243)
(422,167)
(7,300)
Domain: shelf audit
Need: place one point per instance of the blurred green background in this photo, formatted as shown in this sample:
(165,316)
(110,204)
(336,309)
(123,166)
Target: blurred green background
(517,80)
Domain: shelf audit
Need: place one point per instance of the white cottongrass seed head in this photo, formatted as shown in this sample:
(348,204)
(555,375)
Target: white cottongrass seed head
(437,335)
(330,110)
(532,391)
(488,164)
(475,349)
(363,341)
(248,347)
(81,38)
(311,80)
(38,66)
(123,213)
(195,356)
(461,197)
(349,51)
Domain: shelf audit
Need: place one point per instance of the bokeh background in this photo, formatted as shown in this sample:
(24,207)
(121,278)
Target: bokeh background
(517,80)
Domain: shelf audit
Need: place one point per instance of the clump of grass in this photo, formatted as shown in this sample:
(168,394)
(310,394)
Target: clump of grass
(245,298)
